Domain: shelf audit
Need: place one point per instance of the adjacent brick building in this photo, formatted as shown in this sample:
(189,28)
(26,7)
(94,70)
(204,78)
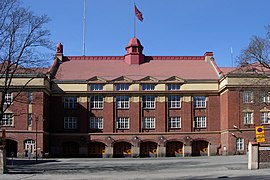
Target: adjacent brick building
(138,106)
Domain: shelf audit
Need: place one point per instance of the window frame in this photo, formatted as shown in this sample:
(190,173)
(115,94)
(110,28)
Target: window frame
(122,102)
(248,118)
(96,87)
(199,101)
(70,123)
(96,123)
(96,102)
(149,101)
(174,101)
(265,117)
(70,102)
(122,87)
(122,123)
(8,98)
(200,122)
(247,97)
(149,123)
(7,120)
(174,122)
(240,144)
(148,87)
(173,87)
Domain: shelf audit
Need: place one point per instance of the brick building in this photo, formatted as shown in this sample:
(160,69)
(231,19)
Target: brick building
(138,106)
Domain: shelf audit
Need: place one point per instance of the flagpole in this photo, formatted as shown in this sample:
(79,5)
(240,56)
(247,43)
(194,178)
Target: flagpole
(84,25)
(134,24)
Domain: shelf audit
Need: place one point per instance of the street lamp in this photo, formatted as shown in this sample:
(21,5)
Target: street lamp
(36,118)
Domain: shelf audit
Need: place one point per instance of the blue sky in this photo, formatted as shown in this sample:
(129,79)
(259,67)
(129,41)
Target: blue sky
(170,27)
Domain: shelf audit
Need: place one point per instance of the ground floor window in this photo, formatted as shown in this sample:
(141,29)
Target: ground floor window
(240,144)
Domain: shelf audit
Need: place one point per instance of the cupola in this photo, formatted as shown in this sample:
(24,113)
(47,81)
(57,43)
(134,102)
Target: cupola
(134,53)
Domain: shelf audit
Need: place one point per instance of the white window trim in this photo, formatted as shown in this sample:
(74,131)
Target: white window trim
(122,123)
(96,87)
(174,122)
(122,87)
(174,103)
(174,87)
(70,122)
(96,123)
(149,123)
(200,122)
(248,118)
(199,101)
(122,102)
(8,119)
(240,144)
(148,87)
(247,97)
(95,103)
(8,98)
(148,103)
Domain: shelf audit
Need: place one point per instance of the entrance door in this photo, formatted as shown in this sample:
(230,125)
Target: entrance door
(96,149)
(148,149)
(11,148)
(122,149)
(200,148)
(30,147)
(70,149)
(174,149)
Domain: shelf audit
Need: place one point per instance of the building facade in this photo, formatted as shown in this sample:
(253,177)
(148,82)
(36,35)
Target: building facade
(137,106)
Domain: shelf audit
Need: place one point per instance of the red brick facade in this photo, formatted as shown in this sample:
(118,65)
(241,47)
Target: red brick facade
(215,127)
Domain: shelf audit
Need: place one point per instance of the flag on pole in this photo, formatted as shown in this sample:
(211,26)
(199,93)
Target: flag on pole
(138,13)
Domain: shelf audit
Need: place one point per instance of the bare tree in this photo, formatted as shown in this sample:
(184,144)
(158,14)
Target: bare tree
(22,34)
(258,51)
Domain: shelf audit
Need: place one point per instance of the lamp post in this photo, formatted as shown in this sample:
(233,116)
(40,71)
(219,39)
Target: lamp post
(36,118)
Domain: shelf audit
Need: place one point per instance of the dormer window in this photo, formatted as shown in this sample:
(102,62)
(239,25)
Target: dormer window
(173,87)
(122,87)
(96,87)
(148,87)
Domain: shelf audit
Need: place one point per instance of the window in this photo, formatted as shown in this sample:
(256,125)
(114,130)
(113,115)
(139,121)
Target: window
(122,123)
(174,101)
(174,122)
(70,122)
(7,119)
(122,102)
(30,97)
(96,87)
(70,102)
(97,102)
(29,121)
(200,122)
(173,87)
(247,97)
(265,97)
(148,102)
(8,98)
(122,87)
(149,123)
(96,123)
(239,144)
(148,87)
(199,101)
(30,145)
(265,117)
(248,118)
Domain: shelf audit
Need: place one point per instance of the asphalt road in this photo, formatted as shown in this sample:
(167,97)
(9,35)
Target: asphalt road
(215,167)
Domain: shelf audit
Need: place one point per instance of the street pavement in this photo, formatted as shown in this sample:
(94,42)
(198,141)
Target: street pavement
(214,167)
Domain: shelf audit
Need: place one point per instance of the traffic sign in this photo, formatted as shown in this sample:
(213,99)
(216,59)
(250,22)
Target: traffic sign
(260,134)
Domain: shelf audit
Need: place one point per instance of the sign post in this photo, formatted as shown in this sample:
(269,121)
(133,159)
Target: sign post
(260,134)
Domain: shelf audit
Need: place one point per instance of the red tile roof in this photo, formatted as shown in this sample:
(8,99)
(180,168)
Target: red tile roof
(159,67)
